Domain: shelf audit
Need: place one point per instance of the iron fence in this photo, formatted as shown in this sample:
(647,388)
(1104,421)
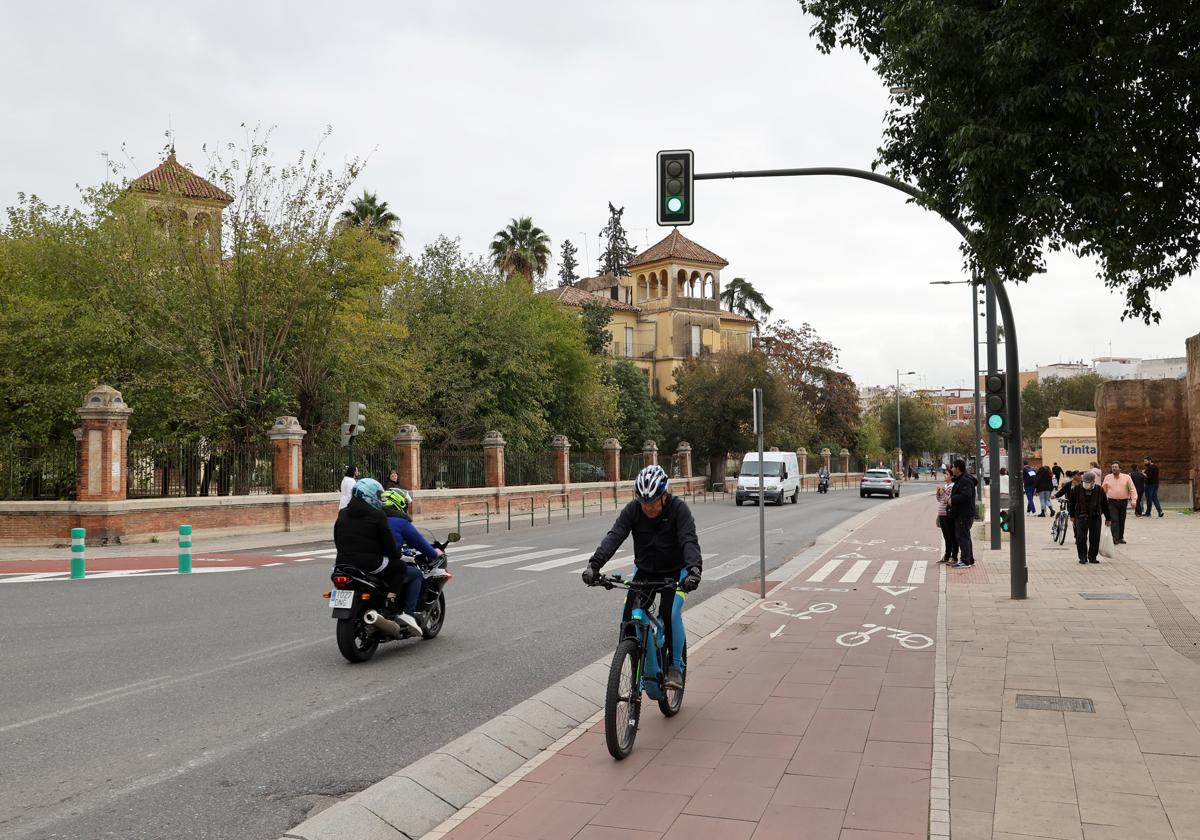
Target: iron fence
(33,473)
(453,469)
(587,466)
(325,466)
(631,465)
(200,467)
(528,468)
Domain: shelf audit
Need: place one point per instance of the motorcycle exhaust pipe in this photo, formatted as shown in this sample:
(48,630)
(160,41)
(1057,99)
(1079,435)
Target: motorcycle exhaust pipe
(381,624)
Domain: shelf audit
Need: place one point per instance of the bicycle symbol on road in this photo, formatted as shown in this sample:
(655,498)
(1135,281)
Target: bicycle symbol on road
(914,548)
(781,608)
(909,641)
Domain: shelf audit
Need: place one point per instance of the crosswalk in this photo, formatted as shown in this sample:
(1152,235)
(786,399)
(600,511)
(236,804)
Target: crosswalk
(888,571)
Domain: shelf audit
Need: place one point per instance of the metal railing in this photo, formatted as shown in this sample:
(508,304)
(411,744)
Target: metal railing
(528,499)
(201,467)
(620,349)
(521,468)
(706,304)
(631,465)
(583,501)
(566,505)
(455,469)
(32,473)
(587,466)
(487,514)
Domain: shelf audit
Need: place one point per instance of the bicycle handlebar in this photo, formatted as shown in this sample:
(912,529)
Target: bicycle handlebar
(618,582)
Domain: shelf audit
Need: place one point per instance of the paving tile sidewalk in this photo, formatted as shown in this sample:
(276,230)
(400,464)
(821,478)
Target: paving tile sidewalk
(784,733)
(1131,768)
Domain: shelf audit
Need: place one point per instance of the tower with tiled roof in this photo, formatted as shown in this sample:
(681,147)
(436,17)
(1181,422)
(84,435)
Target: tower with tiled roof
(172,191)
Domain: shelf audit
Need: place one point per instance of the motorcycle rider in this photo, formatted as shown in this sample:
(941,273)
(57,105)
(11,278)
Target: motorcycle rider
(823,478)
(396,503)
(664,545)
(364,539)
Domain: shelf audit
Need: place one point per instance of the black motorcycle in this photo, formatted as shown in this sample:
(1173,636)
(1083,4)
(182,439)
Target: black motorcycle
(365,617)
(823,484)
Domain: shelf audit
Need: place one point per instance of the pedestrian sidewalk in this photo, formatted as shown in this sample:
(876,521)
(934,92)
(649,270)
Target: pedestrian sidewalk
(1129,766)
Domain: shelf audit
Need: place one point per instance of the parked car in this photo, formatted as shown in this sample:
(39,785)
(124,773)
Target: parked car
(879,482)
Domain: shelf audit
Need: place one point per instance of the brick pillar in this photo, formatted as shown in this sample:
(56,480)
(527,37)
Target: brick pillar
(649,453)
(683,457)
(560,457)
(845,456)
(802,457)
(825,457)
(103,446)
(408,456)
(493,459)
(612,459)
(286,437)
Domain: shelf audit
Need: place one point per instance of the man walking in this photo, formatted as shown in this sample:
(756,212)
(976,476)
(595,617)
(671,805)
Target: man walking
(962,510)
(1119,490)
(1058,474)
(1087,506)
(1139,484)
(1028,481)
(1151,470)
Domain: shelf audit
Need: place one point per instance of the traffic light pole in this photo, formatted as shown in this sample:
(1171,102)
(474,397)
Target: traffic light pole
(1018,572)
(993,438)
(975,355)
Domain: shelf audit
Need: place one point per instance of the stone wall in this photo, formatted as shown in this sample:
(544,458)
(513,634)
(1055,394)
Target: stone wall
(1140,417)
(1193,408)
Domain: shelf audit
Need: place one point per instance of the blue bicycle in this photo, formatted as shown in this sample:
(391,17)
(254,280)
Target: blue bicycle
(637,665)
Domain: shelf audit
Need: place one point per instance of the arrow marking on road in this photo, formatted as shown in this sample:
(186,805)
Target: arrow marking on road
(777,632)
(853,554)
(897,590)
(888,609)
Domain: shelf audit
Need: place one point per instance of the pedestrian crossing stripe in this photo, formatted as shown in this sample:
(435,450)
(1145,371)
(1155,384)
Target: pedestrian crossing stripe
(884,575)
(517,558)
(917,573)
(556,562)
(855,571)
(888,571)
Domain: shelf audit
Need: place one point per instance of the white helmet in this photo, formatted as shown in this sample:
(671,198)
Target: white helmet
(650,483)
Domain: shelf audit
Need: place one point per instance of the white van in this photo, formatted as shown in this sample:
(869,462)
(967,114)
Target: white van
(781,478)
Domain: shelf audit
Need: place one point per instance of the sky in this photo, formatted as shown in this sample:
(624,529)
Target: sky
(472,113)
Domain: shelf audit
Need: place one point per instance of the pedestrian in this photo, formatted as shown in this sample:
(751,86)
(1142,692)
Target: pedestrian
(1028,481)
(393,480)
(1139,484)
(1119,490)
(1071,480)
(1151,470)
(1096,471)
(946,523)
(1058,473)
(1043,483)
(347,488)
(962,511)
(1087,506)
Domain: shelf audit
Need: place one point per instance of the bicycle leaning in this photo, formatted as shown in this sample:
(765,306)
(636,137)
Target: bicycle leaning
(1060,524)
(637,665)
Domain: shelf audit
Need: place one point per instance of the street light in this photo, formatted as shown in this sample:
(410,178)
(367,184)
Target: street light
(975,377)
(899,448)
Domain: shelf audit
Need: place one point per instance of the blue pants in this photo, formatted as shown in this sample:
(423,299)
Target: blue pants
(1044,498)
(1029,498)
(412,588)
(1152,498)
(670,613)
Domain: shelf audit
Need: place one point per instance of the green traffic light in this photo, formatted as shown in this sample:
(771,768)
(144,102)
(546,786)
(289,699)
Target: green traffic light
(995,422)
(674,204)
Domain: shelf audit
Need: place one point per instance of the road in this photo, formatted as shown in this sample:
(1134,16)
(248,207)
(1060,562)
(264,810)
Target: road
(216,706)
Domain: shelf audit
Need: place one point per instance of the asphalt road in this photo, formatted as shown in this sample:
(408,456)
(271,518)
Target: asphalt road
(217,707)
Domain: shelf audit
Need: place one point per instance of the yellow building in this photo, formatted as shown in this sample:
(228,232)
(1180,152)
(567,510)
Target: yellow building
(666,310)
(1070,440)
(176,195)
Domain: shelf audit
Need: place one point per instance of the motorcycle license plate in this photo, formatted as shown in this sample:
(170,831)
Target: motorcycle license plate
(341,599)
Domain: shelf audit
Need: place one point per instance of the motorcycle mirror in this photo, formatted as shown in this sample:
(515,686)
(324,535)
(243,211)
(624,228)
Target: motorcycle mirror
(454,537)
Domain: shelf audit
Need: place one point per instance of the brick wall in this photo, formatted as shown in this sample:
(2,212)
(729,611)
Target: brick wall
(1140,417)
(1192,401)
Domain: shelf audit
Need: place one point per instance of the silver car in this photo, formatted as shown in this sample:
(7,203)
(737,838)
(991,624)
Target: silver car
(879,481)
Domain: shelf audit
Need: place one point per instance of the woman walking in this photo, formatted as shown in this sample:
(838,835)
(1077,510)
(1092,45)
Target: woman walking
(945,523)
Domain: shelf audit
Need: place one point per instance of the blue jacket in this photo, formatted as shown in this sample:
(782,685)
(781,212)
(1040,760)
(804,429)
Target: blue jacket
(407,534)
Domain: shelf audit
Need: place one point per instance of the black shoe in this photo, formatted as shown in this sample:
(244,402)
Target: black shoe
(674,678)
(1160,513)
(1083,562)
(1093,561)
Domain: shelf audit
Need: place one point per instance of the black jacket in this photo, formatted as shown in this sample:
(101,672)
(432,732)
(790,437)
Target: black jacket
(661,546)
(962,497)
(1139,481)
(1151,475)
(1093,504)
(362,536)
(1044,479)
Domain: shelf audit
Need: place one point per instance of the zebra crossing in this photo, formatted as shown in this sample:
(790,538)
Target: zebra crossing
(888,571)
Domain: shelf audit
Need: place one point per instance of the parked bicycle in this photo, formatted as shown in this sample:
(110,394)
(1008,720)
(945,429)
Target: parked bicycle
(638,664)
(1060,525)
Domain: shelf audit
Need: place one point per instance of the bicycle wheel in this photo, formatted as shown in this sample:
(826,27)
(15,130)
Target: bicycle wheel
(672,699)
(622,699)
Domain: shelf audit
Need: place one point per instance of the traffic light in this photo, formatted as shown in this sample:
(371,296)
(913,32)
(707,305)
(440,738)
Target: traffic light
(996,402)
(675,181)
(1005,525)
(346,434)
(357,419)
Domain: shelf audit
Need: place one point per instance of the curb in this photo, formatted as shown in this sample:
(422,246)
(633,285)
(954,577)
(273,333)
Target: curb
(427,798)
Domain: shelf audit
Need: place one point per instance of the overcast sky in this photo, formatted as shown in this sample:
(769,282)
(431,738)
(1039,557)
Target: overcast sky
(475,112)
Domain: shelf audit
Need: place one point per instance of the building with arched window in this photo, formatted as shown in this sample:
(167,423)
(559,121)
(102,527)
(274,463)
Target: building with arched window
(180,197)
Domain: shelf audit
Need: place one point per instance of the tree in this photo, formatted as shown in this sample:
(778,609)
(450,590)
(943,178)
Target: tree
(740,296)
(595,319)
(521,248)
(805,362)
(617,253)
(370,213)
(1049,126)
(922,424)
(1043,399)
(638,415)
(567,264)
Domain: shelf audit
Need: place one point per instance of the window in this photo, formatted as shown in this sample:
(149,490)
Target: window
(695,349)
(629,342)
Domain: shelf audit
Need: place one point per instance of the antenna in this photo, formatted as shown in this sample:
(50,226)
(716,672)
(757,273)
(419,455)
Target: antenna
(587,258)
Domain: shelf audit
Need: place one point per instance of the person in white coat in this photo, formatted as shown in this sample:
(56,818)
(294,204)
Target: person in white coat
(347,487)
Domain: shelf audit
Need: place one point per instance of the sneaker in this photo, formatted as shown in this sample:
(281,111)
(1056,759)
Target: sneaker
(953,564)
(408,621)
(674,678)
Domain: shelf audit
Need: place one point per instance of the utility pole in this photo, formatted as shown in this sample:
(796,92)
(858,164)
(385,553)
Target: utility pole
(993,438)
(762,496)
(978,430)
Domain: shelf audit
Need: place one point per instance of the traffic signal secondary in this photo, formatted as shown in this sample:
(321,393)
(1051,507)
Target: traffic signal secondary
(357,419)
(675,181)
(996,402)
(1005,524)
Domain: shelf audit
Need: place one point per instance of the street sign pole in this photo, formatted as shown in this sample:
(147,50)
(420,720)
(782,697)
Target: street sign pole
(762,497)
(993,438)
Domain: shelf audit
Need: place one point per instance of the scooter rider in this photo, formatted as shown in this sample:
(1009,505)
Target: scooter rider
(664,545)
(395,507)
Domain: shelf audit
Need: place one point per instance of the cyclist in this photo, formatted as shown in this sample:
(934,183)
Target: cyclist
(396,503)
(664,545)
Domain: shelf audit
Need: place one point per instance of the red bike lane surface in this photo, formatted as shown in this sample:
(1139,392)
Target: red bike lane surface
(811,717)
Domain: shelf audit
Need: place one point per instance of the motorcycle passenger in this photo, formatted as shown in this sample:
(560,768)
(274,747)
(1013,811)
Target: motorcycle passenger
(395,507)
(664,545)
(364,539)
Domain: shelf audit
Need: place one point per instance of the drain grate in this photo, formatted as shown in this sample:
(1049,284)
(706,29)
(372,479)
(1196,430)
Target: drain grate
(1108,596)
(1047,703)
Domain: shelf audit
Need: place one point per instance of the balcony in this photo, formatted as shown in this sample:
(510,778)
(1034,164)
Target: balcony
(706,304)
(623,350)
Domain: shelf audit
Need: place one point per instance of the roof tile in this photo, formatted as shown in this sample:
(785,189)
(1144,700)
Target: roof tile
(676,246)
(172,176)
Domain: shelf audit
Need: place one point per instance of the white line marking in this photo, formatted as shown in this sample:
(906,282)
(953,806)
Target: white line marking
(884,575)
(519,558)
(496,552)
(730,567)
(556,562)
(897,590)
(458,549)
(777,632)
(825,571)
(888,609)
(917,573)
(324,552)
(855,571)
(268,565)
(852,555)
(303,560)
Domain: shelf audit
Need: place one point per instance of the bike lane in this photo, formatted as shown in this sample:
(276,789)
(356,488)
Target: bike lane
(811,715)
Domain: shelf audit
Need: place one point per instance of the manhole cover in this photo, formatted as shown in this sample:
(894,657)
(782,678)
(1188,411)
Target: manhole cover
(1047,703)
(1108,596)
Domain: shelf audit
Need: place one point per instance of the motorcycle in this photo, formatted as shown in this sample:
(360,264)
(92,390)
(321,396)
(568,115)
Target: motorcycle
(823,484)
(365,618)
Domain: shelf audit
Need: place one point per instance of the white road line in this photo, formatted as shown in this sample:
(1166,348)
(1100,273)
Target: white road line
(496,552)
(556,562)
(32,577)
(917,573)
(855,571)
(268,565)
(520,558)
(825,571)
(459,549)
(884,575)
(730,567)
(325,552)
(618,561)
(302,560)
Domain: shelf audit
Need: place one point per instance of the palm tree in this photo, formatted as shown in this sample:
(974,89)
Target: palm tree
(741,297)
(371,213)
(521,248)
